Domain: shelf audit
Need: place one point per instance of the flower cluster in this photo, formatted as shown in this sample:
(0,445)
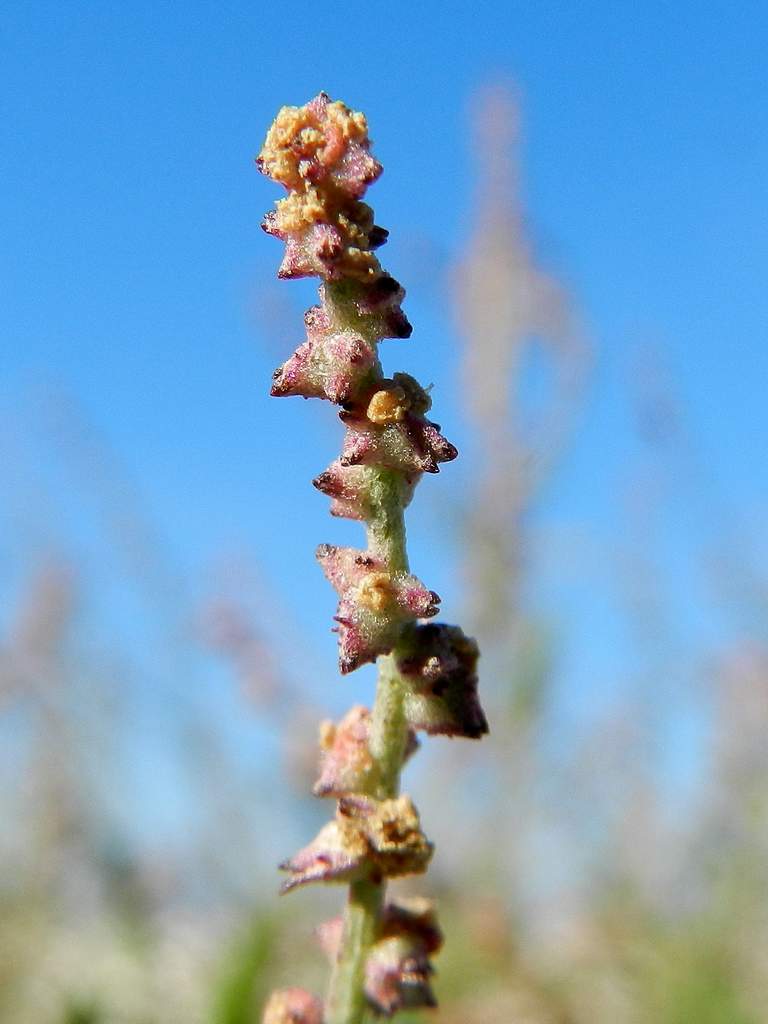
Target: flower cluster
(398,968)
(321,154)
(367,839)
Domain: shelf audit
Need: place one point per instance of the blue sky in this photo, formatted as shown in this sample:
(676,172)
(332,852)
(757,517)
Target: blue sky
(135,276)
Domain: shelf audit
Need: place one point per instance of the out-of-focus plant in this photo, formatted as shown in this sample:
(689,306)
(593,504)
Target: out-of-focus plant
(518,324)
(380,951)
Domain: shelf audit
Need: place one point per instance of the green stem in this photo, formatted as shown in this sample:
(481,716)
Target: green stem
(389,729)
(346,1003)
(386,530)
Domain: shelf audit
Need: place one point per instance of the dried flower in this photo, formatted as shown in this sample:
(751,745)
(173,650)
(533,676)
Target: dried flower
(367,839)
(398,967)
(440,664)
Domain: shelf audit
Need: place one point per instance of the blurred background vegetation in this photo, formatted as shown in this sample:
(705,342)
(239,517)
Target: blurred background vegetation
(605,865)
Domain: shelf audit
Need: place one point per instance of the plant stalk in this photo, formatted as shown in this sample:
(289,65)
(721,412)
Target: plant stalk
(346,1003)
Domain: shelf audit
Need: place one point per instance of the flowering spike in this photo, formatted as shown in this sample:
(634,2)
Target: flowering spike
(321,154)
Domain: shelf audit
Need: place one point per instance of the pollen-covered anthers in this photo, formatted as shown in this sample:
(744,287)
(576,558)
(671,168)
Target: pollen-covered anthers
(440,666)
(398,968)
(321,153)
(321,143)
(367,839)
(374,603)
(389,429)
(394,398)
(323,242)
(355,490)
(293,1006)
(346,765)
(331,363)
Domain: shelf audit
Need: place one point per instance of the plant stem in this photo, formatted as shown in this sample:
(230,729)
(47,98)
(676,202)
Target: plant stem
(386,531)
(346,1002)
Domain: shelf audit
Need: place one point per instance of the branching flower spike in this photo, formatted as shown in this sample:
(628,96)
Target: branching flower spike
(427,679)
